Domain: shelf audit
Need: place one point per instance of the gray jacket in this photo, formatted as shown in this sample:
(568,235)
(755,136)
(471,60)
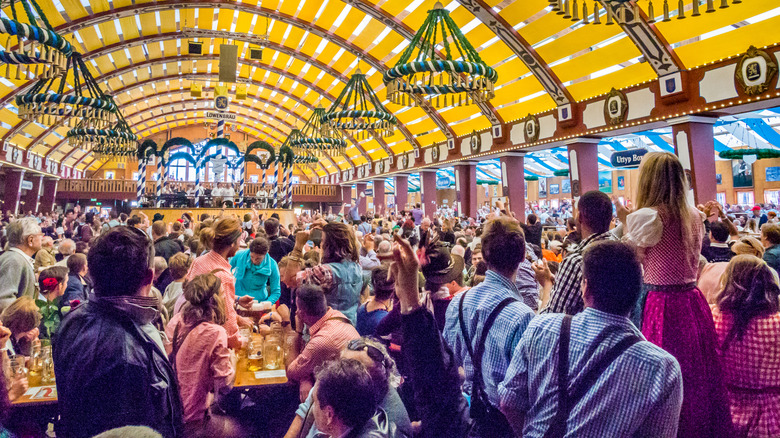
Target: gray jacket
(16,278)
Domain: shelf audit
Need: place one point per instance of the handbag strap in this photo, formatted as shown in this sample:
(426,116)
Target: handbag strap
(476,355)
(568,399)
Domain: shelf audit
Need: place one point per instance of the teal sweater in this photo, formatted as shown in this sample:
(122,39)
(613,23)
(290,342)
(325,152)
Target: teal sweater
(261,282)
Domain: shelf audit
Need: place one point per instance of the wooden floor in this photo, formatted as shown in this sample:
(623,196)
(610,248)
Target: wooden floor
(286,217)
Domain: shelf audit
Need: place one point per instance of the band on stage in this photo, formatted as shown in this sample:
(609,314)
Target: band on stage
(223,194)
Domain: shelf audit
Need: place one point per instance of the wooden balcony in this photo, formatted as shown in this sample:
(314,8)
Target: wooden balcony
(107,189)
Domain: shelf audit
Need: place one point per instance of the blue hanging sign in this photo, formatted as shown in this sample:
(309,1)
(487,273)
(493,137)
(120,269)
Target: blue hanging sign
(443,182)
(627,158)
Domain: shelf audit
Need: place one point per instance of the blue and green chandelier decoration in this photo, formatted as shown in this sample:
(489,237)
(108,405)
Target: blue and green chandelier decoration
(359,109)
(458,74)
(83,106)
(117,142)
(317,136)
(32,46)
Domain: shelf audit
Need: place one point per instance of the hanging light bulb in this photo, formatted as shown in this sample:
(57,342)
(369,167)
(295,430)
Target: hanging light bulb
(681,10)
(666,11)
(695,12)
(651,12)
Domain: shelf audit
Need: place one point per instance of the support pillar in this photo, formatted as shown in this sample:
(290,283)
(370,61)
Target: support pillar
(583,165)
(428,191)
(466,189)
(346,194)
(13,188)
(401,192)
(695,147)
(380,204)
(513,182)
(49,194)
(33,196)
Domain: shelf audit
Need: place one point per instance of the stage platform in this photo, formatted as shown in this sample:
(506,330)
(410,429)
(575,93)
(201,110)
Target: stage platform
(286,217)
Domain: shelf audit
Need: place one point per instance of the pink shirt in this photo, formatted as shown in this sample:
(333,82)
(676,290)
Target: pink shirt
(204,265)
(329,336)
(202,361)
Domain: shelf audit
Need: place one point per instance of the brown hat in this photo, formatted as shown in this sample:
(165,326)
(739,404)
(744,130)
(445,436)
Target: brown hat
(439,266)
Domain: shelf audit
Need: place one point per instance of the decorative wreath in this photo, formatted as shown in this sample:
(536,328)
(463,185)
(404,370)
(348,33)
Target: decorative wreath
(256,158)
(286,156)
(561,172)
(760,153)
(531,178)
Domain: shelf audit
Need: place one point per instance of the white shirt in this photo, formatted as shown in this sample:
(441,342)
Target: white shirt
(260,194)
(230,191)
(217,192)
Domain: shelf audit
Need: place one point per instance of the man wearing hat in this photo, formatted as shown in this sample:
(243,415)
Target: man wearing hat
(761,218)
(443,273)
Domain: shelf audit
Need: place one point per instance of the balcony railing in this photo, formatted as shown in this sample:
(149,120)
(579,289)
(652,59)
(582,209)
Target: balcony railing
(95,187)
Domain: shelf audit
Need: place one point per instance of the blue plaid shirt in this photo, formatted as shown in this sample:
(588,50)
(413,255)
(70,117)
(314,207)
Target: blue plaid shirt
(639,394)
(504,336)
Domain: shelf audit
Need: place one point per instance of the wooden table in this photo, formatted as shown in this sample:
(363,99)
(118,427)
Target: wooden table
(246,379)
(37,396)
(253,379)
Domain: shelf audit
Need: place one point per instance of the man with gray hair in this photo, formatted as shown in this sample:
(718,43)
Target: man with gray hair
(66,249)
(17,272)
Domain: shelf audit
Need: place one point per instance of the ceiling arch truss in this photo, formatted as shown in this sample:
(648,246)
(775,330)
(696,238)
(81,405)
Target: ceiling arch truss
(129,11)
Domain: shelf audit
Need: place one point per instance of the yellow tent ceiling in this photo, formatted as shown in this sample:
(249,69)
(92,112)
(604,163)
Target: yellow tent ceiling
(142,58)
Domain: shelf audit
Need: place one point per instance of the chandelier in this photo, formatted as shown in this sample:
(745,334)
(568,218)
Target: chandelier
(359,109)
(118,142)
(90,109)
(424,72)
(317,136)
(36,48)
(628,11)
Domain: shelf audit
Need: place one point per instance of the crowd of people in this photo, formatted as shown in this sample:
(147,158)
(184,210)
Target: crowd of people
(593,319)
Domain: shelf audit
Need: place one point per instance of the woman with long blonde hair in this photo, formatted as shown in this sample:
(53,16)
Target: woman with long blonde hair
(747,321)
(667,231)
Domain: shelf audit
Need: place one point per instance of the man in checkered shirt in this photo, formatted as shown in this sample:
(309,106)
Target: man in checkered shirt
(638,393)
(503,248)
(595,215)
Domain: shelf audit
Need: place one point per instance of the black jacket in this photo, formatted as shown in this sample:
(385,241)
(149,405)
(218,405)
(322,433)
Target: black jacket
(280,247)
(110,373)
(166,247)
(377,426)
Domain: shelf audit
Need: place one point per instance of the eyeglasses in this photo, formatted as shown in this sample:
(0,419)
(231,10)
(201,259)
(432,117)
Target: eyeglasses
(374,353)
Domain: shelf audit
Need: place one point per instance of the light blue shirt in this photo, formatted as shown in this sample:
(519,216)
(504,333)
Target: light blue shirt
(638,395)
(503,337)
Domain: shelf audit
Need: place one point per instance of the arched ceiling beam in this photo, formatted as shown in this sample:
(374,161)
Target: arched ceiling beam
(197,118)
(211,76)
(157,95)
(188,122)
(653,46)
(73,151)
(146,119)
(133,10)
(524,51)
(131,67)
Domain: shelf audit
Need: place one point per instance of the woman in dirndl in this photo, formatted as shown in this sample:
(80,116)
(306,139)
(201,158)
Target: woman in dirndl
(667,231)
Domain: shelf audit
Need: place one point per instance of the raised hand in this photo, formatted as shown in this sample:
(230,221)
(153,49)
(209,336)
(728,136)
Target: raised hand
(404,269)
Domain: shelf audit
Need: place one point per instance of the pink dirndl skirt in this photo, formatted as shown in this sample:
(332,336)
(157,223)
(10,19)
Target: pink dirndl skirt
(678,319)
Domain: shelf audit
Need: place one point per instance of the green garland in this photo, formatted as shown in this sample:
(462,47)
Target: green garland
(760,153)
(531,178)
(561,172)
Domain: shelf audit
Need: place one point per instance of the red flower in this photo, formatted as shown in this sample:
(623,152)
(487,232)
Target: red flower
(50,283)
(74,303)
